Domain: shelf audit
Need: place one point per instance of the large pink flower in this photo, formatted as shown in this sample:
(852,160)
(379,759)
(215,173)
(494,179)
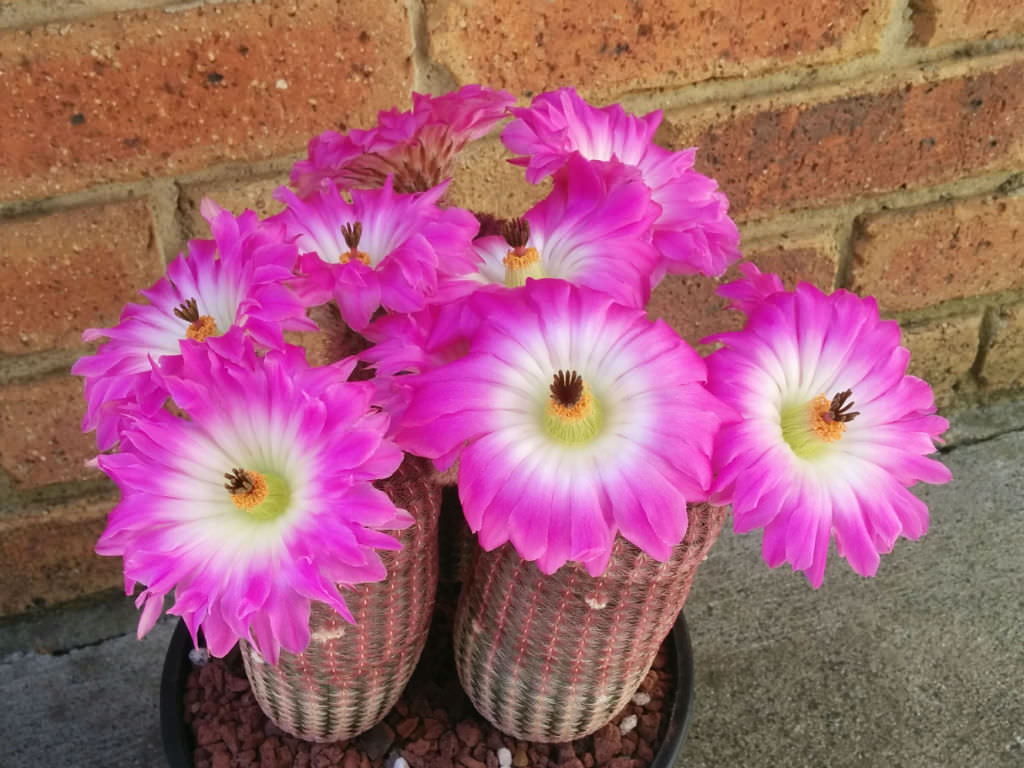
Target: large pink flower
(237,279)
(417,147)
(593,229)
(832,430)
(381,250)
(694,232)
(297,517)
(576,418)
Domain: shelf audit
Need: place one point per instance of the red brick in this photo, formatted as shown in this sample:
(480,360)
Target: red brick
(937,22)
(689,304)
(72,270)
(145,93)
(942,353)
(911,259)
(810,260)
(42,441)
(1004,362)
(606,47)
(773,155)
(485,182)
(49,558)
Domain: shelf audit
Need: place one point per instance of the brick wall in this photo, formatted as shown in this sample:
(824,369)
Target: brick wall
(870,144)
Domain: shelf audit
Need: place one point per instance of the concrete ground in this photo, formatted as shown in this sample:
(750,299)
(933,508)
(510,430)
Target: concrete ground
(922,666)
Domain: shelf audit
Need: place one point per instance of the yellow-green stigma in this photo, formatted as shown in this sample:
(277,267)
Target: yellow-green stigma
(521,261)
(808,428)
(352,234)
(572,415)
(201,327)
(263,496)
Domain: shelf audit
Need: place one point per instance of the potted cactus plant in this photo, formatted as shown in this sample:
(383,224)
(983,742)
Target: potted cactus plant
(594,452)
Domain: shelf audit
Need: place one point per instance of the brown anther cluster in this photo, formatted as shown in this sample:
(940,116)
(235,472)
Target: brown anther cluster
(830,417)
(516,232)
(567,388)
(839,408)
(248,489)
(201,327)
(187,311)
(352,233)
(239,481)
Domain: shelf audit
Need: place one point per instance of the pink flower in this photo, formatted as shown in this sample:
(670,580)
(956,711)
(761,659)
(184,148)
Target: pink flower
(298,516)
(417,147)
(694,232)
(235,280)
(575,418)
(382,249)
(832,431)
(593,229)
(421,341)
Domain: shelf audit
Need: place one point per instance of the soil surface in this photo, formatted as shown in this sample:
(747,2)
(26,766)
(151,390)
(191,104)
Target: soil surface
(433,725)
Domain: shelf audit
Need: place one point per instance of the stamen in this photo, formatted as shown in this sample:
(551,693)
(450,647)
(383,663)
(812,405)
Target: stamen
(521,261)
(830,417)
(188,311)
(202,329)
(248,489)
(808,428)
(572,414)
(353,233)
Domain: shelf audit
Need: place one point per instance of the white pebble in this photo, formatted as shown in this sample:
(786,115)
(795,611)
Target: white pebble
(504,757)
(281,84)
(400,762)
(641,699)
(627,724)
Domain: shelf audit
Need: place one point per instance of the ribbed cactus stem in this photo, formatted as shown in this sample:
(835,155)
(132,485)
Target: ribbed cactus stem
(350,676)
(554,658)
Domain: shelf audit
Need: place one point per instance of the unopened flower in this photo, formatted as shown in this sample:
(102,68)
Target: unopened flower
(257,503)
(237,279)
(694,232)
(593,229)
(832,431)
(574,418)
(421,341)
(417,148)
(383,249)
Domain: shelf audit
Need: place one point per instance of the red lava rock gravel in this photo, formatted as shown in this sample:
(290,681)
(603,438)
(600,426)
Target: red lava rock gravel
(433,725)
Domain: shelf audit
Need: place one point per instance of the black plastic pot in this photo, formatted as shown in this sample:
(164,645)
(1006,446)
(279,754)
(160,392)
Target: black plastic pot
(179,744)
